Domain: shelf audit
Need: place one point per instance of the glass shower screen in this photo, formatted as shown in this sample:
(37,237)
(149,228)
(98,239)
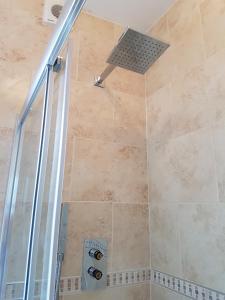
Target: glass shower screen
(32,208)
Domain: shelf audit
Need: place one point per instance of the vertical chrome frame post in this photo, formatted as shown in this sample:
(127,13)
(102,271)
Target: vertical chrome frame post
(29,286)
(56,184)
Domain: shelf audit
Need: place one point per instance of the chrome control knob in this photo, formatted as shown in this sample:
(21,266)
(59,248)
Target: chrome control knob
(95,273)
(96,254)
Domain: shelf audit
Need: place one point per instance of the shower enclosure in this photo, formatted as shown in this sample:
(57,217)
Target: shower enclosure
(29,237)
(143,191)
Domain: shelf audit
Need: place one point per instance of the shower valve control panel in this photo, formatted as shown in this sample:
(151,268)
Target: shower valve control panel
(94,269)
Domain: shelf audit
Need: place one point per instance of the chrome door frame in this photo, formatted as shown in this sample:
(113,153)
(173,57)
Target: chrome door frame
(60,35)
(56,184)
(39,189)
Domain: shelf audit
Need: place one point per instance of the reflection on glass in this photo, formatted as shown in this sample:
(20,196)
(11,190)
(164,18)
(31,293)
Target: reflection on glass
(24,194)
(42,243)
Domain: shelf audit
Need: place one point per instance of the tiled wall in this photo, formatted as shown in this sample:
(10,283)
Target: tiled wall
(106,166)
(105,175)
(186,128)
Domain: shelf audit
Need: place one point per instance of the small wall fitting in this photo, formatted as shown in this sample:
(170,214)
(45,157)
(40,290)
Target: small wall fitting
(94,270)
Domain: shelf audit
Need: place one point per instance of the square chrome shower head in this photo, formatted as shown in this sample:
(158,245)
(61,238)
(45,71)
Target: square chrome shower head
(136,51)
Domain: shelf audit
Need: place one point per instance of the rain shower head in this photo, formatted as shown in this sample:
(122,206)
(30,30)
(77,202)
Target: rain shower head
(135,51)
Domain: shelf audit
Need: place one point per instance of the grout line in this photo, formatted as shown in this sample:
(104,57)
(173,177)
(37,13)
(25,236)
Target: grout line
(215,166)
(202,34)
(112,238)
(107,202)
(74,135)
(78,56)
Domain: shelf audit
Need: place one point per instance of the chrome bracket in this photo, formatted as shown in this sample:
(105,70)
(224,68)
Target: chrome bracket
(58,65)
(98,82)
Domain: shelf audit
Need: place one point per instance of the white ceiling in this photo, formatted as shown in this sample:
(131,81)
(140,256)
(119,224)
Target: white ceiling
(137,14)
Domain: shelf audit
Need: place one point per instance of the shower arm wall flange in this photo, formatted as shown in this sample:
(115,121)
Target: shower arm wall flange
(108,70)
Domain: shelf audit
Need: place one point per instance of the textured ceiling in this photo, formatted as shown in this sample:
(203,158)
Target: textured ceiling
(137,14)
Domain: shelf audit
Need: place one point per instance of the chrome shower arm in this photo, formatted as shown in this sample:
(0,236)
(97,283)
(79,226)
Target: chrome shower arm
(108,70)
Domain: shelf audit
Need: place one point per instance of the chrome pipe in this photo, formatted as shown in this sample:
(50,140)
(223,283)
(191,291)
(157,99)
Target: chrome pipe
(63,27)
(108,70)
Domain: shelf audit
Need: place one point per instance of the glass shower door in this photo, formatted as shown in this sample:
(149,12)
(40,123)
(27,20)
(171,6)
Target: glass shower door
(29,236)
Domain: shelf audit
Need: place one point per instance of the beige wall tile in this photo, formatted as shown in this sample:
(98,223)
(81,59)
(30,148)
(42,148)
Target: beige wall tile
(162,71)
(219,148)
(91,112)
(126,81)
(160,30)
(183,169)
(201,231)
(129,174)
(68,169)
(108,172)
(164,239)
(2,201)
(214,78)
(185,29)
(6,137)
(93,53)
(139,292)
(89,103)
(101,130)
(5,5)
(91,174)
(130,236)
(19,240)
(93,25)
(107,114)
(189,93)
(213,22)
(13,94)
(188,54)
(35,8)
(85,221)
(183,19)
(75,49)
(192,101)
(159,293)
(160,115)
(20,54)
(20,51)
(130,118)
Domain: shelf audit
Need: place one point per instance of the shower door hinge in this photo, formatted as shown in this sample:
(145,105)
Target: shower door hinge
(58,65)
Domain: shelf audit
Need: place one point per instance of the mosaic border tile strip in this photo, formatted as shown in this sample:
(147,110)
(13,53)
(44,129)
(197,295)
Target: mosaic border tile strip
(72,285)
(14,290)
(185,287)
